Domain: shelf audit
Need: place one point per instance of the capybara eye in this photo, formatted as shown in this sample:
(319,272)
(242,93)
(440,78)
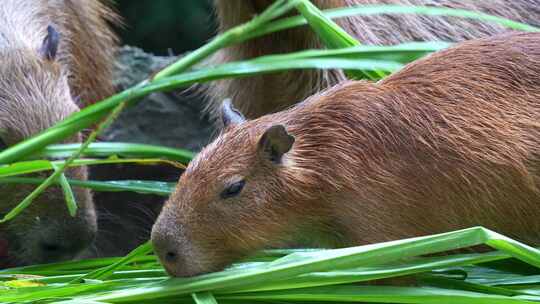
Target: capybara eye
(233,190)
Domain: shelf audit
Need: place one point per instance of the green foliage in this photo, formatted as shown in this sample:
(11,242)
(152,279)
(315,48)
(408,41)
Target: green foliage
(275,276)
(333,36)
(294,276)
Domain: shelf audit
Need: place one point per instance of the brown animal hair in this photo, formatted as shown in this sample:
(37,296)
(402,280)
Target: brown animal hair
(52,54)
(450,141)
(259,95)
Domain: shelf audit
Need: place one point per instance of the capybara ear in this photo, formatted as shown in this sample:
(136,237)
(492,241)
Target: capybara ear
(230,115)
(275,142)
(49,47)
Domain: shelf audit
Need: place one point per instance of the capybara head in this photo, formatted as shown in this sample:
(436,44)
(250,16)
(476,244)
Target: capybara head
(34,95)
(234,198)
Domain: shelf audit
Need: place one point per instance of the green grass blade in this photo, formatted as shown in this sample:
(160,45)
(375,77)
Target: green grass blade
(204,298)
(68,193)
(366,10)
(103,273)
(34,166)
(76,266)
(379,294)
(126,150)
(333,36)
(298,264)
(362,274)
(81,302)
(38,294)
(142,187)
(402,53)
(232,36)
(142,282)
(439,281)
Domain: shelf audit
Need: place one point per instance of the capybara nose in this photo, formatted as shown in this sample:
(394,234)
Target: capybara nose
(164,248)
(53,251)
(57,245)
(172,249)
(171,257)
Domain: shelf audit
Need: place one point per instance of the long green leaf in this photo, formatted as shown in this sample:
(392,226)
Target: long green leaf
(126,150)
(105,272)
(298,264)
(380,294)
(135,283)
(232,36)
(204,298)
(366,10)
(68,193)
(333,36)
(88,116)
(376,272)
(143,187)
(34,166)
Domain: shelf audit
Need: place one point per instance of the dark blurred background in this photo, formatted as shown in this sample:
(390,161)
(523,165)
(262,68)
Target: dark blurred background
(165,26)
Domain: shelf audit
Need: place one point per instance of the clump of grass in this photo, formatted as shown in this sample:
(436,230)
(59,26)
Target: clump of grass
(337,275)
(293,276)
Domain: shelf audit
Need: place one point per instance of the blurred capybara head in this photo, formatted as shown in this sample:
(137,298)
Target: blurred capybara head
(34,95)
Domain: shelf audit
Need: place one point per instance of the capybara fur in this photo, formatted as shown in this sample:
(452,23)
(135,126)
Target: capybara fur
(450,141)
(54,55)
(259,95)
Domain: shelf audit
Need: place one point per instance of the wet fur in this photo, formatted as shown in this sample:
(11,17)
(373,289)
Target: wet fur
(259,95)
(451,141)
(36,92)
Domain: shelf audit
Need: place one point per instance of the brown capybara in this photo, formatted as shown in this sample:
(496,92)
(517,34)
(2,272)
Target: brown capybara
(53,54)
(450,141)
(259,95)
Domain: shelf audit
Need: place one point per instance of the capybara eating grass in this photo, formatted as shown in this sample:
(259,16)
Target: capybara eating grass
(450,141)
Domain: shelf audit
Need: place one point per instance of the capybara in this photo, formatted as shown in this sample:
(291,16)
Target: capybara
(55,57)
(259,95)
(450,141)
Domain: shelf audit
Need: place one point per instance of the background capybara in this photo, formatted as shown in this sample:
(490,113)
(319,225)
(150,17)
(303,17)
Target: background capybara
(55,54)
(260,95)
